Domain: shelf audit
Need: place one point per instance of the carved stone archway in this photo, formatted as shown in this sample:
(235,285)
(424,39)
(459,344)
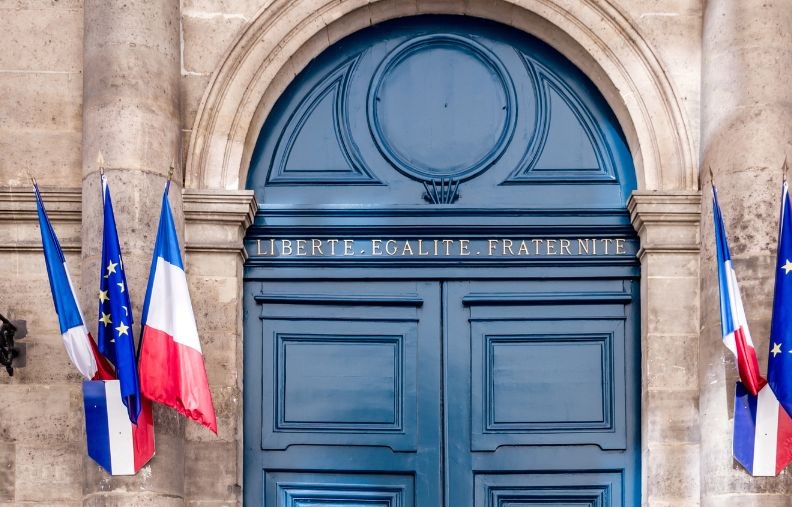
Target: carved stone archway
(285,36)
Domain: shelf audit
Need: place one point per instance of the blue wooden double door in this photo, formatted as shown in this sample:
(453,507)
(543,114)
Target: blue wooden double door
(441,300)
(431,393)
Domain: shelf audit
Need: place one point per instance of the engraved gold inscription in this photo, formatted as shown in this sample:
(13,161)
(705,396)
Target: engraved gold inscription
(504,247)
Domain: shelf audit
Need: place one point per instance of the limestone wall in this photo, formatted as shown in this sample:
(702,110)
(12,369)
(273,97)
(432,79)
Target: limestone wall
(41,429)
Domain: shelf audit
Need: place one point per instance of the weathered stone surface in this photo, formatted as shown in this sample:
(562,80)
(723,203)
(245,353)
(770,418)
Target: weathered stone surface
(48,471)
(673,417)
(206,39)
(44,38)
(211,473)
(7,472)
(671,474)
(21,417)
(671,362)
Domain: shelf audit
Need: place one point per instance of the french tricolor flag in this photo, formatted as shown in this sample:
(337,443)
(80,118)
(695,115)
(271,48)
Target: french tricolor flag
(172,370)
(762,432)
(79,344)
(120,447)
(734,325)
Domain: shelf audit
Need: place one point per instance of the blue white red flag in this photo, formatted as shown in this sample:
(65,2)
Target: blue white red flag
(120,447)
(115,311)
(79,344)
(762,432)
(172,370)
(734,325)
(779,363)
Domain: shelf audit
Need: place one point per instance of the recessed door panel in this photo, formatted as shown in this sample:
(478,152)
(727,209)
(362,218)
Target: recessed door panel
(539,407)
(347,403)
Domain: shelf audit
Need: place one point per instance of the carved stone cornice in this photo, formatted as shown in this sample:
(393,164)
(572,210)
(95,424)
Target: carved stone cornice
(666,221)
(216,219)
(19,219)
(19,204)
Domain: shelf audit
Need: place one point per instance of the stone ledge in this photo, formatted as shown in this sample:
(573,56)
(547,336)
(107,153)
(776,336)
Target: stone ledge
(666,221)
(19,204)
(210,205)
(219,218)
(19,219)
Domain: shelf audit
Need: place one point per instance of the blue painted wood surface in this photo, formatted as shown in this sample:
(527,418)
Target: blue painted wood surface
(401,381)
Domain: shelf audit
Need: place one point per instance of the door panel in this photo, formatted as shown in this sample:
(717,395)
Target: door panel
(570,489)
(536,380)
(537,397)
(348,401)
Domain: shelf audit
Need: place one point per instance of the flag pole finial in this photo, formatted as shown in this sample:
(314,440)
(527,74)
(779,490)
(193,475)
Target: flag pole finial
(100,161)
(32,178)
(712,176)
(171,168)
(785,168)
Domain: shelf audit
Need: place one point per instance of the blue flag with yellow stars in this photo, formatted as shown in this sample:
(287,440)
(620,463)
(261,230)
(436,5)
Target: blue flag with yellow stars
(779,363)
(115,312)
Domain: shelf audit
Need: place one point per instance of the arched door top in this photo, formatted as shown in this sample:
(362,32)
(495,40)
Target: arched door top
(440,110)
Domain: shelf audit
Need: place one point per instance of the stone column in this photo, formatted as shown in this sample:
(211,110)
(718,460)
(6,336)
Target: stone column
(668,224)
(746,132)
(131,67)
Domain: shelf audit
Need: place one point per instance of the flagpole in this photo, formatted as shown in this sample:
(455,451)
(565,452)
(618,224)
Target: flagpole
(170,175)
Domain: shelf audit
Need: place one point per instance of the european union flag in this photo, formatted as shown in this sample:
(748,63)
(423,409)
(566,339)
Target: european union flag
(115,312)
(779,364)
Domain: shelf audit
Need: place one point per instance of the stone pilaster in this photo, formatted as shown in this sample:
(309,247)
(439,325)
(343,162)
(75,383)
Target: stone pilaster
(216,224)
(668,224)
(131,114)
(746,107)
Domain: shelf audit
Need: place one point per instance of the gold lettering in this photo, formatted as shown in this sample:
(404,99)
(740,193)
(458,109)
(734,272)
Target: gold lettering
(605,241)
(464,247)
(523,251)
(550,245)
(407,248)
(507,244)
(565,246)
(390,247)
(493,243)
(620,247)
(316,245)
(258,247)
(448,243)
(420,249)
(332,243)
(376,247)
(348,245)
(301,247)
(536,243)
(435,246)
(286,247)
(593,246)
(583,247)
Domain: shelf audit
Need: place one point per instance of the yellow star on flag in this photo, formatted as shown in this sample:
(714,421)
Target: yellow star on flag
(776,349)
(121,284)
(787,267)
(103,296)
(122,329)
(111,268)
(105,319)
